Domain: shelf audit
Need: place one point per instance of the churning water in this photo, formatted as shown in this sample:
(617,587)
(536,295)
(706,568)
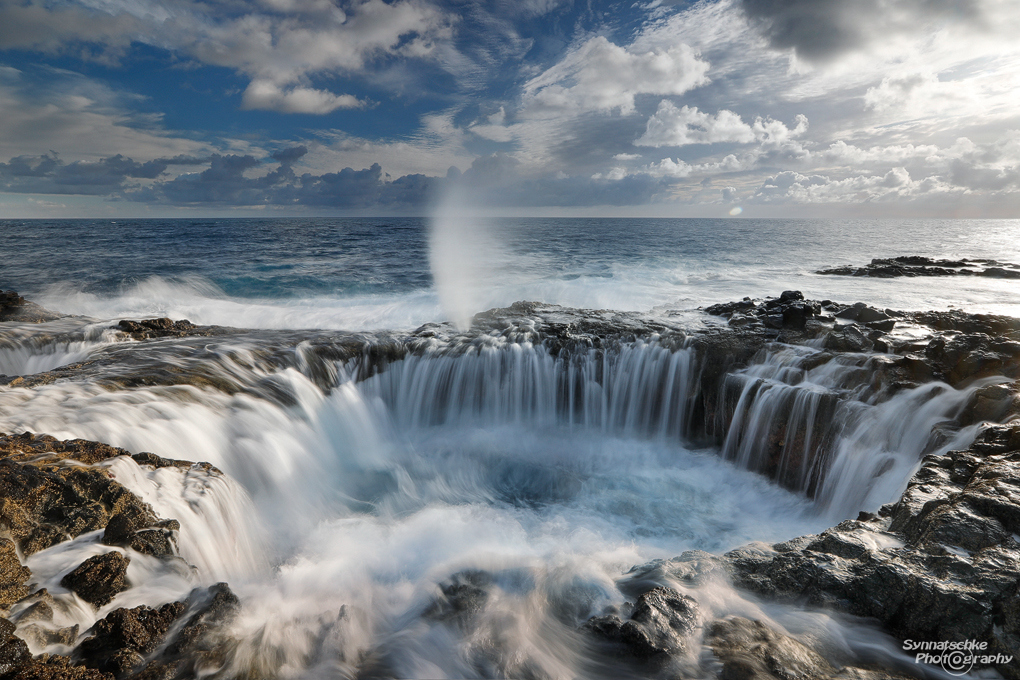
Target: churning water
(351,496)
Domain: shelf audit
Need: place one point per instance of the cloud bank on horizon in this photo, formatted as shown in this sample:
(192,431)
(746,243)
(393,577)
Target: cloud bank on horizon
(877,107)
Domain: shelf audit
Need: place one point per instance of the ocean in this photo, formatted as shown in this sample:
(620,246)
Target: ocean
(350,498)
(374,273)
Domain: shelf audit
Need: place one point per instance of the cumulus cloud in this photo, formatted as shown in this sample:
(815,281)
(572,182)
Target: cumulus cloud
(670,126)
(601,76)
(264,94)
(279,48)
(790,186)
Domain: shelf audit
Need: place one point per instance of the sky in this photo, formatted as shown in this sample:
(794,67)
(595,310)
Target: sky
(871,108)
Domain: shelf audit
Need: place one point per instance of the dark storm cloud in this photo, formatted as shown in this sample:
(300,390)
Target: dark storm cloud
(225,183)
(48,174)
(966,173)
(819,30)
(241,180)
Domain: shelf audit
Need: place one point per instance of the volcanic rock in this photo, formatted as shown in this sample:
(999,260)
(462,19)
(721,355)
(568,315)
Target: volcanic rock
(463,598)
(13,575)
(98,579)
(13,650)
(157,328)
(752,650)
(661,623)
(120,642)
(13,307)
(44,501)
(915,265)
(943,563)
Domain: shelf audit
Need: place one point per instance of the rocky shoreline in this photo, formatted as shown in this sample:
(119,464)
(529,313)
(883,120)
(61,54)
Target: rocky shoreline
(914,265)
(941,564)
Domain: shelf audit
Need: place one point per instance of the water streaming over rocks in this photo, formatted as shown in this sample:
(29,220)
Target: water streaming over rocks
(447,503)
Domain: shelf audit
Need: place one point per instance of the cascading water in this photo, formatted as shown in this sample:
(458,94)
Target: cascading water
(643,388)
(820,428)
(25,351)
(548,473)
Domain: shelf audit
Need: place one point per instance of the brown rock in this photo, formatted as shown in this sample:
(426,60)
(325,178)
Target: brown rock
(55,668)
(43,501)
(13,307)
(99,578)
(120,642)
(13,575)
(13,650)
(751,650)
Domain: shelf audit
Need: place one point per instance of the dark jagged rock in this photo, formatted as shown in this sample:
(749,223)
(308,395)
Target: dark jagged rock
(44,501)
(943,563)
(121,641)
(138,528)
(98,579)
(54,667)
(961,358)
(915,265)
(13,307)
(199,647)
(158,328)
(661,623)
(13,650)
(463,598)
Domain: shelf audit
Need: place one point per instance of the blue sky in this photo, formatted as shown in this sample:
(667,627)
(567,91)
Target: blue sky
(776,107)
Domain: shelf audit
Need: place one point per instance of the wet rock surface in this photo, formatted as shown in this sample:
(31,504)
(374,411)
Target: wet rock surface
(13,575)
(943,563)
(98,579)
(13,307)
(661,623)
(50,491)
(916,265)
(752,650)
(156,328)
(13,650)
(121,641)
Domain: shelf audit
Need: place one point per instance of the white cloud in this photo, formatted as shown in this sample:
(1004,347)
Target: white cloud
(774,135)
(83,119)
(599,76)
(280,49)
(670,126)
(494,129)
(841,153)
(667,167)
(793,187)
(615,174)
(264,94)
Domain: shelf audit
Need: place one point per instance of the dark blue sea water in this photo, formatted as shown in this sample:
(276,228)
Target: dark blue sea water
(375,272)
